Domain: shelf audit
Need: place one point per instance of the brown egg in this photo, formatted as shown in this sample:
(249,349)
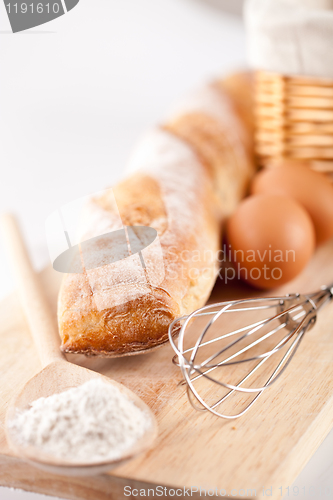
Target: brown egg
(272,239)
(312,189)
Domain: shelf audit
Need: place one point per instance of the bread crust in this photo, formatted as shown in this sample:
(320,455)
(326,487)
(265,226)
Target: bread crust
(188,176)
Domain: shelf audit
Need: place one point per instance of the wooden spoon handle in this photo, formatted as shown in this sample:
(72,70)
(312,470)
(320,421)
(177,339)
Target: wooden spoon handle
(35,306)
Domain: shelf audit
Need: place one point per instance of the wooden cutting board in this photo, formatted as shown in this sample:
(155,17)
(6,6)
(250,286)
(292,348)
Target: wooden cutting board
(267,448)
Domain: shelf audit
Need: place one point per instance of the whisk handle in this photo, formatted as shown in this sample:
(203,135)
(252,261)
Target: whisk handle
(322,297)
(328,289)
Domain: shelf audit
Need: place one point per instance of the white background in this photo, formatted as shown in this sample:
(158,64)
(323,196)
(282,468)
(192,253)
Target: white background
(75,95)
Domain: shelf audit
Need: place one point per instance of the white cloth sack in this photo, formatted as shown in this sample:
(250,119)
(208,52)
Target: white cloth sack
(293,37)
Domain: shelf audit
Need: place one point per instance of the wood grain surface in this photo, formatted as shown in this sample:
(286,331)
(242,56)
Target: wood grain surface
(267,448)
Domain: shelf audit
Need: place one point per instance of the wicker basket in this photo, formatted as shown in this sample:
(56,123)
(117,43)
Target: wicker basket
(294,120)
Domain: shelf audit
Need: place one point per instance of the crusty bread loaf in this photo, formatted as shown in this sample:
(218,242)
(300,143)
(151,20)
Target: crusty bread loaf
(187,177)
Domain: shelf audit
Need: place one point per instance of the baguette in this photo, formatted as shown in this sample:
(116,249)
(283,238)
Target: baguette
(186,178)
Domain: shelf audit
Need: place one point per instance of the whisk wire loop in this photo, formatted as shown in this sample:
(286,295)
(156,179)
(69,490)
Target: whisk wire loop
(294,315)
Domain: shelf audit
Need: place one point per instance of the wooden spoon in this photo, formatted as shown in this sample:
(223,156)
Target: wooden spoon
(57,374)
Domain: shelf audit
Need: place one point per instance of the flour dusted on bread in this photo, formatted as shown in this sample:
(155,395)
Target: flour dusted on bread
(207,100)
(177,169)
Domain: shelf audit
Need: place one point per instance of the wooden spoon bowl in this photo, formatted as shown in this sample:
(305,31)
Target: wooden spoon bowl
(55,378)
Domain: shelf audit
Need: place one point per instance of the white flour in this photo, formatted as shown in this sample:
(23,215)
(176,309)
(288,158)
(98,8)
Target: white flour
(92,422)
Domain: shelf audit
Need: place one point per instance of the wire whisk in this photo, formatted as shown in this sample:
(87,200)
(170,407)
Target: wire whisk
(229,365)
